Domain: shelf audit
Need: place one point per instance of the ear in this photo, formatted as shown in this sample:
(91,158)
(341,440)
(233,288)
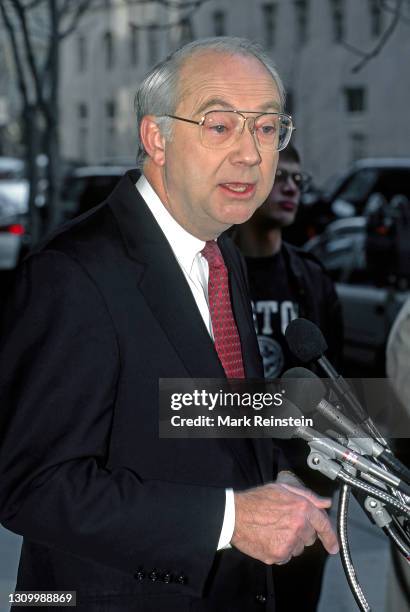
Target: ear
(152,139)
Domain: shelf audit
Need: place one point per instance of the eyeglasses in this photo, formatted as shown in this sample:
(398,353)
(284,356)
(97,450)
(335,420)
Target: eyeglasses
(219,129)
(301,179)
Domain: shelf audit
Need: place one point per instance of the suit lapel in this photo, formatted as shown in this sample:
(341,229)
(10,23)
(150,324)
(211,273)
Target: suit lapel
(163,283)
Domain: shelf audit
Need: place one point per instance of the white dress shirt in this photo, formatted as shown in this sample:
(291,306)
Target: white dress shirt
(187,250)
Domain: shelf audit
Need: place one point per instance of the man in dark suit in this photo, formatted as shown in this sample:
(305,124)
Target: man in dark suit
(118,299)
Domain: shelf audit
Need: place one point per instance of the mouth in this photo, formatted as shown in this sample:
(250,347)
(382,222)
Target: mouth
(241,190)
(288,205)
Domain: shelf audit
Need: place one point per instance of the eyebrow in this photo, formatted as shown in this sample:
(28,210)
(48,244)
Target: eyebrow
(224,104)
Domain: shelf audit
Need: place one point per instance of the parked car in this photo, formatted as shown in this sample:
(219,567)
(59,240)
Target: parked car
(87,186)
(385,176)
(350,194)
(11,168)
(83,188)
(14,222)
(369,309)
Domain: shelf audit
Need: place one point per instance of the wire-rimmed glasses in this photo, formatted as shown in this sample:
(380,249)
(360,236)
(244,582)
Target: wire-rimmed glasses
(219,129)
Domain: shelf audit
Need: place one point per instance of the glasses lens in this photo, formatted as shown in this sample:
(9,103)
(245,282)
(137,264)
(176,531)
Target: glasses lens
(273,131)
(219,128)
(285,131)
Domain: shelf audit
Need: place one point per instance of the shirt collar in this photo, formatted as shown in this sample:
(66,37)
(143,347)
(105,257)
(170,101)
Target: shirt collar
(184,245)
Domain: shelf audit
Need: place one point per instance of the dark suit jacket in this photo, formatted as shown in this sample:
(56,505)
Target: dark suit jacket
(106,508)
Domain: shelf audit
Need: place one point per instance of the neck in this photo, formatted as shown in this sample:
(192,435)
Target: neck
(200,230)
(258,242)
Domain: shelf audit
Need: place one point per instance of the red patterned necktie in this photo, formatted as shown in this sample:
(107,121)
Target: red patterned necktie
(227,342)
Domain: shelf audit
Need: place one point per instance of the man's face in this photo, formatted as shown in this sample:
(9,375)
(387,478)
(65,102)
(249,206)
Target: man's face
(280,208)
(208,190)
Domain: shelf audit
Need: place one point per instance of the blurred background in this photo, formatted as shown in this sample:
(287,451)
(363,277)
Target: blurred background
(69,72)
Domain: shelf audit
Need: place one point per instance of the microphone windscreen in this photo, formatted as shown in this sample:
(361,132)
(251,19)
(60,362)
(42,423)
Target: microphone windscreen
(305,340)
(287,410)
(303,388)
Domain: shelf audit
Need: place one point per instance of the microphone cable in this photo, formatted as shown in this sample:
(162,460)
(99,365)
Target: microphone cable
(397,540)
(345,555)
(369,489)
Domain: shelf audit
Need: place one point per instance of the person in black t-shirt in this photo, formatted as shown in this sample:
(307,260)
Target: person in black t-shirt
(286,283)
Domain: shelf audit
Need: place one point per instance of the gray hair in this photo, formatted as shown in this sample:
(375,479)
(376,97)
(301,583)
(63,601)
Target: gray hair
(158,93)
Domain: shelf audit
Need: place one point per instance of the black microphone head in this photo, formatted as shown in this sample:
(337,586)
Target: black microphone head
(305,340)
(303,388)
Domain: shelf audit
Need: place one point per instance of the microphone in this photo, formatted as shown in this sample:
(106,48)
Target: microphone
(334,450)
(307,343)
(308,393)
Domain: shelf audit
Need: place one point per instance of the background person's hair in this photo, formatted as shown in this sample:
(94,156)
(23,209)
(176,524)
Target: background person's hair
(290,153)
(158,93)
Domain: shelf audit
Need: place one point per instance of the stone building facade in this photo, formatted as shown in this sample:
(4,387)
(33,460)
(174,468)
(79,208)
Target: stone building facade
(340,115)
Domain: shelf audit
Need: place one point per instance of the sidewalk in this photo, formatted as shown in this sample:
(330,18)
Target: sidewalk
(9,557)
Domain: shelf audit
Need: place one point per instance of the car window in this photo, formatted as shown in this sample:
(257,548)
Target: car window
(358,187)
(11,171)
(82,193)
(71,193)
(386,181)
(392,182)
(341,249)
(95,191)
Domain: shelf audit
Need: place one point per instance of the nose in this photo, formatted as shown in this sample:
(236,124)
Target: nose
(289,185)
(245,150)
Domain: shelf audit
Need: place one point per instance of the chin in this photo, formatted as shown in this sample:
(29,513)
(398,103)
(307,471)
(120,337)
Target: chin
(237,215)
(283,220)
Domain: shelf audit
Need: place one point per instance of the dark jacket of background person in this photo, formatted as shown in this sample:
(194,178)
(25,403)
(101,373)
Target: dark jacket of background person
(317,298)
(106,508)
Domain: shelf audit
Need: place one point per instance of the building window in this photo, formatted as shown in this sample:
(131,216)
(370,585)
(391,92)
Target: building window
(153,50)
(358,146)
(301,9)
(186,32)
(81,53)
(338,19)
(82,114)
(289,102)
(376,18)
(269,24)
(110,140)
(82,111)
(108,42)
(355,99)
(110,110)
(134,41)
(219,23)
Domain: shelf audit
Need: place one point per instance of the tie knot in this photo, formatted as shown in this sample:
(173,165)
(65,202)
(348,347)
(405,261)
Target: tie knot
(212,254)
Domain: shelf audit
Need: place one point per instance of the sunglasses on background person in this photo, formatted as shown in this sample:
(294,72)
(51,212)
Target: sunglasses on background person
(302,180)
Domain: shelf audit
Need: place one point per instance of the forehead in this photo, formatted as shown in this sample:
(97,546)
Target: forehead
(288,164)
(214,79)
